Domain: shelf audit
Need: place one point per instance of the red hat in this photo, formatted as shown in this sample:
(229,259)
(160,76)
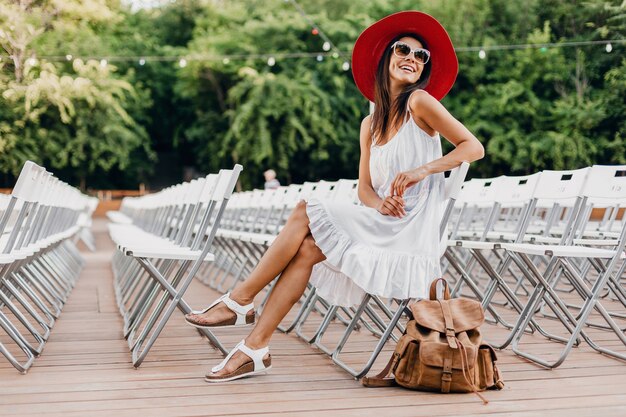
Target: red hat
(369,48)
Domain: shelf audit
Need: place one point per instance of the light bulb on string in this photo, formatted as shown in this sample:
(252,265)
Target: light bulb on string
(345,66)
(226,61)
(142,62)
(326,46)
(608,48)
(182,63)
(482,54)
(320,58)
(68,57)
(103,63)
(271,61)
(335,55)
(31,61)
(315,32)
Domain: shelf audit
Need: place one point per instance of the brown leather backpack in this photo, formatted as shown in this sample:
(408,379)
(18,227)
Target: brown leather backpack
(442,349)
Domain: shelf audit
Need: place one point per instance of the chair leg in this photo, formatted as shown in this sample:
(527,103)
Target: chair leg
(357,374)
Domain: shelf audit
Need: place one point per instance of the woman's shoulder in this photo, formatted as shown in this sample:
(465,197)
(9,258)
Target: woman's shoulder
(367,121)
(421,98)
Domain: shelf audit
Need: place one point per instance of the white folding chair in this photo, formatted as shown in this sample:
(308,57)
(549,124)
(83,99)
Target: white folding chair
(603,182)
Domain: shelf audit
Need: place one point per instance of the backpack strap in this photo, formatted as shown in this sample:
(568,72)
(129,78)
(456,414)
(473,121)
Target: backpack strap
(433,289)
(447,317)
(383,379)
(446,375)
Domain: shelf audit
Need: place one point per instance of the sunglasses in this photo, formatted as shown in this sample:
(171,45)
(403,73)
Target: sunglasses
(402,50)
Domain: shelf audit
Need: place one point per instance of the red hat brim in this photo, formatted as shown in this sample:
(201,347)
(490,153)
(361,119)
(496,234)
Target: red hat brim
(369,48)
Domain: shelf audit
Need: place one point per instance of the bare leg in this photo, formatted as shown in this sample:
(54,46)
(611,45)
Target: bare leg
(286,293)
(273,262)
(277,257)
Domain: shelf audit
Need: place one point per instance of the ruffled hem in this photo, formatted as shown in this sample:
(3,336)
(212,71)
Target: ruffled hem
(353,268)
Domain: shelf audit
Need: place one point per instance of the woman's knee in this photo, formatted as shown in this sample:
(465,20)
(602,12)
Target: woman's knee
(299,213)
(309,252)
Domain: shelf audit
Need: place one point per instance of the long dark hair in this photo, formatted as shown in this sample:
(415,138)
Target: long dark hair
(386,112)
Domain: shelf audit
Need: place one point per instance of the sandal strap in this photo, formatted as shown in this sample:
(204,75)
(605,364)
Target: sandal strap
(238,309)
(255,354)
(235,307)
(213,304)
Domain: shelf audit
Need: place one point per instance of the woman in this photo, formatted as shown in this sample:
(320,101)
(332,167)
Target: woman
(389,247)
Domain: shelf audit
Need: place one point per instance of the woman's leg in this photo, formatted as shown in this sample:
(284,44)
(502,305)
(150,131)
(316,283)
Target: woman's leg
(273,262)
(286,293)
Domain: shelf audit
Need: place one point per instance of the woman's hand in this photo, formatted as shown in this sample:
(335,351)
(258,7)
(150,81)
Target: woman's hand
(407,179)
(392,206)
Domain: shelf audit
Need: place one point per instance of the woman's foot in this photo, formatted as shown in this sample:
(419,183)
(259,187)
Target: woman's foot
(222,312)
(241,362)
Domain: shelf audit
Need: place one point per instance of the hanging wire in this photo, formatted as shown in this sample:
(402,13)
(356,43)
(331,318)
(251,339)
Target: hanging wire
(314,25)
(334,53)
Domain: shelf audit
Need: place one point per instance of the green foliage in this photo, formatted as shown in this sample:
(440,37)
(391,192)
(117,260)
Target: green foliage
(533,109)
(80,123)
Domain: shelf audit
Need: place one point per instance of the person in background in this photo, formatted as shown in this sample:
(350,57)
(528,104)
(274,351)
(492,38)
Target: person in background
(271,182)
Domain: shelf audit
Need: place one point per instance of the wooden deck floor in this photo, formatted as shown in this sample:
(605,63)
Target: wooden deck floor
(85,370)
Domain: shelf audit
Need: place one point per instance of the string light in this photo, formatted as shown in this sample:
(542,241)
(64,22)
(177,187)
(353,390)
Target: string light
(103,63)
(334,53)
(482,54)
(345,66)
(320,58)
(326,46)
(271,61)
(142,62)
(316,29)
(31,61)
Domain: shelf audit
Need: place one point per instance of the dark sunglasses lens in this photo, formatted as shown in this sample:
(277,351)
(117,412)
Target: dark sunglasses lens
(421,56)
(402,49)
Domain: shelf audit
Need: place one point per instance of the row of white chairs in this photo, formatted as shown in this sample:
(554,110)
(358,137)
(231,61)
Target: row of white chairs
(39,262)
(499,226)
(520,245)
(162,241)
(527,246)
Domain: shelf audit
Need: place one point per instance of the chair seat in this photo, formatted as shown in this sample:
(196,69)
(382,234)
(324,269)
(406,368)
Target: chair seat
(475,244)
(552,240)
(118,217)
(256,238)
(135,242)
(168,253)
(560,251)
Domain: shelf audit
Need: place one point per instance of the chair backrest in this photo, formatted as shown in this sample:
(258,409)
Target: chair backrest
(453,184)
(517,190)
(455,180)
(563,186)
(606,182)
(346,190)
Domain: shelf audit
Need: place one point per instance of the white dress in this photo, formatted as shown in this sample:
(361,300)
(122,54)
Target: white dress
(383,255)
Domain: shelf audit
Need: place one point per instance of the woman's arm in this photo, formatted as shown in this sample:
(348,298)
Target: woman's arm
(393,206)
(433,114)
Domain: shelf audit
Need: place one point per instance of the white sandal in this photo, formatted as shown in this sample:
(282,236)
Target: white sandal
(256,366)
(241,314)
